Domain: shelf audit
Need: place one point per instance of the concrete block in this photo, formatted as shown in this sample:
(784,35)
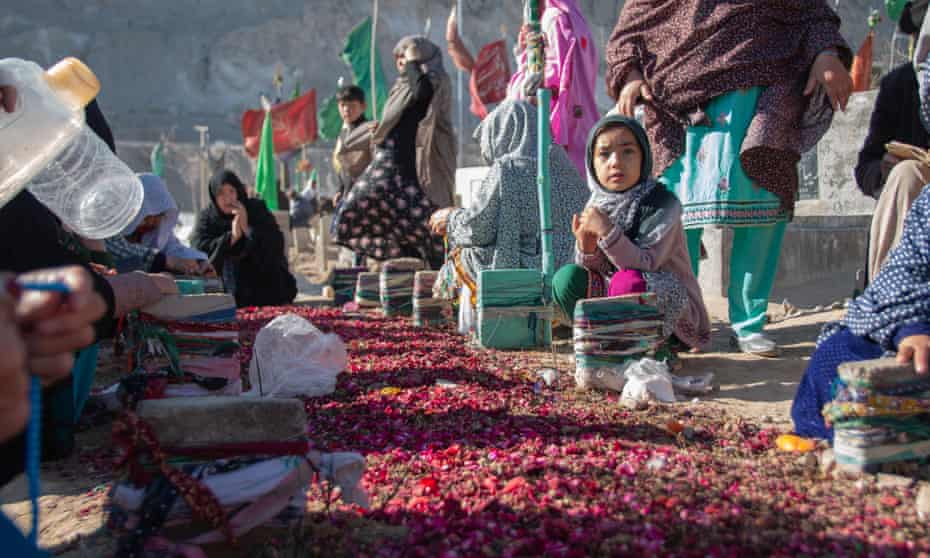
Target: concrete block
(197,421)
(837,154)
(820,253)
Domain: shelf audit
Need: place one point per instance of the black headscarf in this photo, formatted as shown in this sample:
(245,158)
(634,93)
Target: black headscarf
(226,177)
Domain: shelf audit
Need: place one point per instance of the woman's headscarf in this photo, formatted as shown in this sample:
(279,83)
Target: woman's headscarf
(620,207)
(509,131)
(157,200)
(216,183)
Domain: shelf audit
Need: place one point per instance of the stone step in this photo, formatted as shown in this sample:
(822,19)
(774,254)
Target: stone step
(199,421)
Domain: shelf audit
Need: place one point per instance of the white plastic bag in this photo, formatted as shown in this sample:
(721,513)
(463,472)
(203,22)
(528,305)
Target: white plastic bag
(292,358)
(648,379)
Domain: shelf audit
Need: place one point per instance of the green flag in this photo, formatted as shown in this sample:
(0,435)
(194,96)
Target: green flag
(328,119)
(357,54)
(894,8)
(158,160)
(265,183)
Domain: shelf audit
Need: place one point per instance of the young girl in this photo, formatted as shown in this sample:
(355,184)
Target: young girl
(630,239)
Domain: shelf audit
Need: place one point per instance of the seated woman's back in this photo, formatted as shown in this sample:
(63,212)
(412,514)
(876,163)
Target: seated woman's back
(502,227)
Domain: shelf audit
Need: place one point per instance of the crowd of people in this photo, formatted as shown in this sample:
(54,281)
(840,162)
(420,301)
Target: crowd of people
(730,95)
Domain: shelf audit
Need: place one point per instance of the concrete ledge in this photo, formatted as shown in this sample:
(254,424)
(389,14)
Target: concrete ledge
(820,253)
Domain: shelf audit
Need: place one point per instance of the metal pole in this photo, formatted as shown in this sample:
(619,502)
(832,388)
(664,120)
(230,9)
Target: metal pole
(203,169)
(374,57)
(460,91)
(536,63)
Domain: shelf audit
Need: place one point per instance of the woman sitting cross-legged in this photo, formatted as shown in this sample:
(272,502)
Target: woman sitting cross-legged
(891,316)
(245,245)
(500,230)
(630,239)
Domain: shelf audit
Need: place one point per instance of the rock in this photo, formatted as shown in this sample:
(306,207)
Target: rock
(197,421)
(827,461)
(923,501)
(891,481)
(808,460)
(634,404)
(656,463)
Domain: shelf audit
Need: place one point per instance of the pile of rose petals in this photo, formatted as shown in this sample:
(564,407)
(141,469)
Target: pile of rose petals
(469,456)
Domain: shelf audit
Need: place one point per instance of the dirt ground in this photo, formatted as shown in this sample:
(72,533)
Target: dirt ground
(759,389)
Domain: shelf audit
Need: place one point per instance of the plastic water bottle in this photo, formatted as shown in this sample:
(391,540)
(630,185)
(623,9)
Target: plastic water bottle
(46,146)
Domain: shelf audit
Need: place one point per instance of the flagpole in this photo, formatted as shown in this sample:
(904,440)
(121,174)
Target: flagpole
(374,53)
(460,87)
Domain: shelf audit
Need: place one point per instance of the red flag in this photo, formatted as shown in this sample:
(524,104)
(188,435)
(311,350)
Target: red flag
(294,124)
(861,71)
(489,77)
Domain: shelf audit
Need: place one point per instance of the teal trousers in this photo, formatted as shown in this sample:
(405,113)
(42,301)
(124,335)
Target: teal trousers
(753,264)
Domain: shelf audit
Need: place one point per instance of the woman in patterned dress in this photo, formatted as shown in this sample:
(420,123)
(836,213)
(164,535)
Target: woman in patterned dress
(385,214)
(500,230)
(733,93)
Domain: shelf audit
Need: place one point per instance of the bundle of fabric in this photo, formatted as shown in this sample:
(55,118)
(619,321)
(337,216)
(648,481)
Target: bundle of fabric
(397,285)
(428,310)
(610,333)
(240,470)
(511,311)
(368,290)
(176,354)
(343,283)
(880,413)
(204,285)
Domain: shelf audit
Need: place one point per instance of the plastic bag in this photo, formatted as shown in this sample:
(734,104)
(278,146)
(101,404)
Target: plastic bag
(292,358)
(648,379)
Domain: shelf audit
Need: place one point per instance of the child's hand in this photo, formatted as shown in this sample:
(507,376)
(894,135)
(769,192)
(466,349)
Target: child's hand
(596,222)
(587,241)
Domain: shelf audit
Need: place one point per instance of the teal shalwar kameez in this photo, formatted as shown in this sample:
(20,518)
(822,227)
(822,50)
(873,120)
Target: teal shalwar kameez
(714,190)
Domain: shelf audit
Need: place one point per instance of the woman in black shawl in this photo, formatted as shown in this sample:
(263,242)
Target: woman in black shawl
(244,244)
(385,215)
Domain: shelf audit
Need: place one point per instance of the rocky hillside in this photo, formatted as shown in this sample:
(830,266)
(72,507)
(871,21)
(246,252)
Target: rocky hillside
(166,66)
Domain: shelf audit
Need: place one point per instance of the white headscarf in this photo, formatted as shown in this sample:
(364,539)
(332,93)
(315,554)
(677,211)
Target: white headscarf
(156,201)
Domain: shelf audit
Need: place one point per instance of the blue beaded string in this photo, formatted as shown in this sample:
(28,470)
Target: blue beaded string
(33,454)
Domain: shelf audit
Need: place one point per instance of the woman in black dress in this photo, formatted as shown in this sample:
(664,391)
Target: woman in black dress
(244,244)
